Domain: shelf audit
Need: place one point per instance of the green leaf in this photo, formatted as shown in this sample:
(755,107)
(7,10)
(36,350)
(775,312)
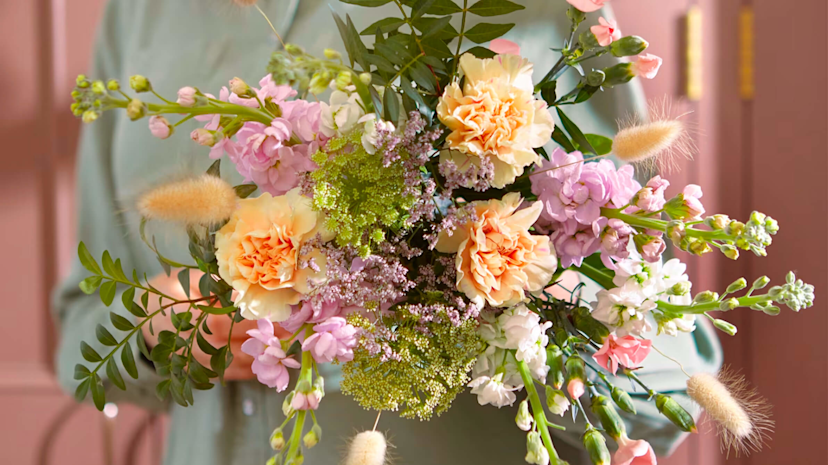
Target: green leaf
(98,393)
(142,344)
(108,264)
(205,346)
(549,92)
(184,280)
(87,260)
(120,323)
(108,290)
(162,389)
(343,32)
(136,310)
(385,26)
(559,137)
(119,271)
(90,284)
(485,32)
(81,372)
(438,8)
(216,310)
(177,391)
(382,64)
(200,373)
(367,3)
(388,52)
(406,86)
(114,374)
(128,297)
(359,48)
(128,361)
(436,47)
(578,137)
(244,191)
(218,362)
(494,7)
(89,353)
(82,389)
(431,26)
(215,169)
(420,8)
(104,336)
(481,52)
(602,144)
(188,391)
(391,106)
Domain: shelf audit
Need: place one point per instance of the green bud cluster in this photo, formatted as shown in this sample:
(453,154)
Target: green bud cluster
(294,67)
(795,293)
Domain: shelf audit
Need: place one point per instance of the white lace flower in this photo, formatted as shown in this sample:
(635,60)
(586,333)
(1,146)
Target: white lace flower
(623,309)
(493,391)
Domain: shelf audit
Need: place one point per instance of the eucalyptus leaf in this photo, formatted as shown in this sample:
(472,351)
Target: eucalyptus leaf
(87,260)
(485,32)
(494,7)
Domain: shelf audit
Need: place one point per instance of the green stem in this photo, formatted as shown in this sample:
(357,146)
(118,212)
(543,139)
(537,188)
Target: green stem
(305,373)
(661,225)
(402,70)
(595,274)
(538,412)
(460,38)
(223,108)
(745,301)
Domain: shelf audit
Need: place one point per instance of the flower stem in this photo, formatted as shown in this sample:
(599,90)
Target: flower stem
(305,373)
(538,412)
(661,225)
(223,108)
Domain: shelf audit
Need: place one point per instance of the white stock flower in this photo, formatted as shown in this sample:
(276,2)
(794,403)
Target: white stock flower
(341,115)
(523,331)
(370,132)
(493,391)
(624,309)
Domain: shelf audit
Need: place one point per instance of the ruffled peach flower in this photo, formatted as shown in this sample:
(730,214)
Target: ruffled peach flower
(496,116)
(606,32)
(497,259)
(258,253)
(587,6)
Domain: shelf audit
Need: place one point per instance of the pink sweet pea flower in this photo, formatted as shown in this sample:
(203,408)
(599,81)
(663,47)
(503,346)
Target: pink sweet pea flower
(270,364)
(504,47)
(587,6)
(333,339)
(306,401)
(634,452)
(647,66)
(627,351)
(606,31)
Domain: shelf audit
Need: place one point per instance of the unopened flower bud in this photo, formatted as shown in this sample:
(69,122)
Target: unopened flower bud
(523,418)
(761,283)
(771,226)
(717,221)
(287,404)
(729,304)
(588,40)
(294,49)
(160,127)
(771,310)
(82,82)
(332,54)
(698,246)
(610,419)
(98,87)
(737,285)
(240,88)
(536,453)
(618,74)
(575,15)
(628,46)
(593,328)
(365,78)
(676,231)
(312,437)
(319,82)
(575,377)
(186,96)
(136,109)
(556,401)
(555,361)
(730,251)
(139,83)
(277,439)
(89,116)
(596,77)
(623,400)
(725,327)
(343,80)
(204,137)
(298,460)
(680,288)
(596,446)
(113,85)
(705,297)
(675,413)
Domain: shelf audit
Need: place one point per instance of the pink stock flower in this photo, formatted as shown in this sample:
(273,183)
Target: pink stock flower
(503,47)
(606,31)
(647,65)
(627,351)
(268,90)
(186,96)
(333,339)
(652,249)
(306,401)
(634,452)
(575,388)
(574,241)
(160,127)
(270,364)
(651,197)
(306,312)
(614,242)
(692,194)
(587,6)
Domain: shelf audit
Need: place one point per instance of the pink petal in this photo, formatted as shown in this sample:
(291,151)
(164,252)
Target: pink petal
(504,47)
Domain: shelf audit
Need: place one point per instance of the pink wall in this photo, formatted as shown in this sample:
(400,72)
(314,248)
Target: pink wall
(760,153)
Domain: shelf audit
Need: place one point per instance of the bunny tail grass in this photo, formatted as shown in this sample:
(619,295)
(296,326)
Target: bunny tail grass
(204,200)
(367,448)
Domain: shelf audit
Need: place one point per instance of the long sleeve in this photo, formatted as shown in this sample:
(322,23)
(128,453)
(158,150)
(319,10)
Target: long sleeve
(100,227)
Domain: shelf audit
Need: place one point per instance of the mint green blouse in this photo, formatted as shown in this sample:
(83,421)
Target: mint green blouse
(204,43)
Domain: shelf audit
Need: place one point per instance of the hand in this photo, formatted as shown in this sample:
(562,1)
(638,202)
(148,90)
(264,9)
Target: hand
(239,368)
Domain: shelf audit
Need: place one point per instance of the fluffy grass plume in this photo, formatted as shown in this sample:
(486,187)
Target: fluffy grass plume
(657,143)
(203,200)
(742,416)
(367,448)
(244,3)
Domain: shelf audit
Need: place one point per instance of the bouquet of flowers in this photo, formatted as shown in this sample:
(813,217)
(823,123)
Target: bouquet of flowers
(414,229)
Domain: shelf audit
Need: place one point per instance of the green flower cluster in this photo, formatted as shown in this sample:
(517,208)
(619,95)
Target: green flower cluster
(426,372)
(360,197)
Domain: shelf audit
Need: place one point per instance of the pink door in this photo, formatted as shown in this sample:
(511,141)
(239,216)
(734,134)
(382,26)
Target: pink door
(759,150)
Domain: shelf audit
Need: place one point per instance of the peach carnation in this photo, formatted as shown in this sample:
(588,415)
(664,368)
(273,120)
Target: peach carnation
(497,259)
(495,115)
(258,253)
